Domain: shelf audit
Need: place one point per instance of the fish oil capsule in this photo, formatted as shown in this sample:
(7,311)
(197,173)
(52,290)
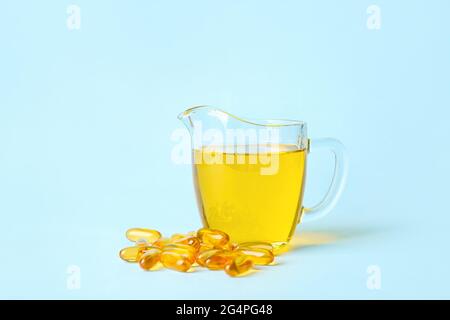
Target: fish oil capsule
(180,246)
(230,246)
(150,258)
(205,247)
(161,243)
(190,241)
(259,256)
(256,244)
(175,261)
(133,254)
(205,255)
(149,235)
(239,266)
(177,236)
(183,250)
(219,260)
(215,237)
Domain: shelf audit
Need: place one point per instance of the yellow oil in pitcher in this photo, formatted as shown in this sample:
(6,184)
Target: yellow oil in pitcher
(237,193)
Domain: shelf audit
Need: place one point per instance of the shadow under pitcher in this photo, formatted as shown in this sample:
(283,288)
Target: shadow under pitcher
(249,175)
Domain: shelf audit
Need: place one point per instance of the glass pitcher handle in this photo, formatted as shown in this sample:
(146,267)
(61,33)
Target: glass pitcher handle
(337,183)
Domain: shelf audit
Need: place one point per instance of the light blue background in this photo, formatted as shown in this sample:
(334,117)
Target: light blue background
(86,117)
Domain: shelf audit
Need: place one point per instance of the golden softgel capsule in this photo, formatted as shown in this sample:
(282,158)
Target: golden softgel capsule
(133,254)
(161,243)
(183,250)
(138,234)
(180,246)
(174,260)
(205,247)
(205,255)
(256,244)
(150,258)
(259,256)
(191,241)
(239,266)
(219,260)
(215,237)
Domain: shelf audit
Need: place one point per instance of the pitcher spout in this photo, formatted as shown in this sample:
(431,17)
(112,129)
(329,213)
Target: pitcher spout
(194,116)
(210,126)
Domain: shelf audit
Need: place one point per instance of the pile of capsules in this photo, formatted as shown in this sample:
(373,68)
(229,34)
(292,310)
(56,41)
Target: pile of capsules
(206,248)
